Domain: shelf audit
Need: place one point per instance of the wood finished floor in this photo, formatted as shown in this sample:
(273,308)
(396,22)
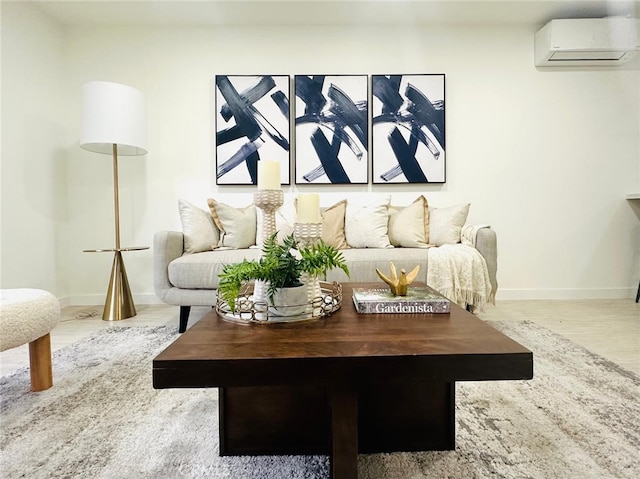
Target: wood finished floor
(610,328)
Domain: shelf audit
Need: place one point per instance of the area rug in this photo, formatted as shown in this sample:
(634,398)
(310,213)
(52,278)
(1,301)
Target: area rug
(578,418)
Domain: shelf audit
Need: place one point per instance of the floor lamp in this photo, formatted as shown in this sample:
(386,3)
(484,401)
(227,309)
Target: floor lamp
(115,123)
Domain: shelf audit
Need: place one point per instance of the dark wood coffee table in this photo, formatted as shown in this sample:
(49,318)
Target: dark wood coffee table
(342,385)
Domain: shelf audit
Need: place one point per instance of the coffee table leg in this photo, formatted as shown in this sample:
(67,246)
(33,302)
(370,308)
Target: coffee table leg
(344,433)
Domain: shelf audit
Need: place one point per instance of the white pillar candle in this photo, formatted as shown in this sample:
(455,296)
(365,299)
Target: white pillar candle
(268,175)
(308,207)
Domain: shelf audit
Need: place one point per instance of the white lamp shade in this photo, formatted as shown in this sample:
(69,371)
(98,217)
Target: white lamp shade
(114,114)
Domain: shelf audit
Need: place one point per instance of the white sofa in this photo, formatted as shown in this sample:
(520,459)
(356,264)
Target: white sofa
(187,263)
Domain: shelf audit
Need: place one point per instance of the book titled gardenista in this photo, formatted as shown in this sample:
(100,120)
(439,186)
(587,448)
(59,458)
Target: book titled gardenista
(419,300)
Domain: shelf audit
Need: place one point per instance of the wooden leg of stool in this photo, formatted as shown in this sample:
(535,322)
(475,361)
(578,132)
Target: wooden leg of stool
(40,363)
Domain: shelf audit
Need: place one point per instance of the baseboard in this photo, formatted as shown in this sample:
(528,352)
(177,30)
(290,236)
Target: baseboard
(97,299)
(565,293)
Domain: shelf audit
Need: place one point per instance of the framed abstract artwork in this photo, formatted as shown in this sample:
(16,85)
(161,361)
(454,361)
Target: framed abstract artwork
(331,129)
(252,123)
(408,133)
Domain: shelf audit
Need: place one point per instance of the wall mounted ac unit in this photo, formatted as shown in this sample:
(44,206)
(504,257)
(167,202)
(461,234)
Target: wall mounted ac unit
(587,41)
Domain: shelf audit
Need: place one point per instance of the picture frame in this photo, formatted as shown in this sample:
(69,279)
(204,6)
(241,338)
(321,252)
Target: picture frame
(408,129)
(252,118)
(331,129)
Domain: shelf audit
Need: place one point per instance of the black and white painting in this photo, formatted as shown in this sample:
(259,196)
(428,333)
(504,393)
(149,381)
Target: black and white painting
(408,135)
(252,123)
(331,128)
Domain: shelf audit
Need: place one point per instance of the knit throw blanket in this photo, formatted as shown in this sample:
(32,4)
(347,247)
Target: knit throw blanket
(459,272)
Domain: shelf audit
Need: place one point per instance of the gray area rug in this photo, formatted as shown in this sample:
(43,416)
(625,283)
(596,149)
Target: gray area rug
(578,418)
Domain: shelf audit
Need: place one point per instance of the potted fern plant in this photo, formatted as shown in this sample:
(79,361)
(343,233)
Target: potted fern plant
(280,266)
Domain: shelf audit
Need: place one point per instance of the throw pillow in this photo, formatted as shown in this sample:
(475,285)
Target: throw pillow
(445,224)
(333,225)
(200,232)
(237,225)
(409,226)
(285,217)
(367,226)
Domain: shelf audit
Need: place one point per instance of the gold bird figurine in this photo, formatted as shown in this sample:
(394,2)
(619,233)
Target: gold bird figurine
(399,283)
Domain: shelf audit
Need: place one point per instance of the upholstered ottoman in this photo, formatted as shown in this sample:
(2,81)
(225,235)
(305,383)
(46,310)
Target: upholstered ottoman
(28,316)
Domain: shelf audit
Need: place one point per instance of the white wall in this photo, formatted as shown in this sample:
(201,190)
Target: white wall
(545,157)
(35,125)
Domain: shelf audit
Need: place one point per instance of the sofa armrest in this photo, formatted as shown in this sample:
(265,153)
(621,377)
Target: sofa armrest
(486,243)
(167,246)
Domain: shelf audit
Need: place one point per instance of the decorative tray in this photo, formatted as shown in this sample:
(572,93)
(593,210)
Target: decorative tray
(249,312)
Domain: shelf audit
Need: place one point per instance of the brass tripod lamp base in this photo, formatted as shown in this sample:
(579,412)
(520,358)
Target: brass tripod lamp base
(119,304)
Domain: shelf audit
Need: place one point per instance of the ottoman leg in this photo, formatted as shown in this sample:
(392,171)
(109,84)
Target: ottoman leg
(40,363)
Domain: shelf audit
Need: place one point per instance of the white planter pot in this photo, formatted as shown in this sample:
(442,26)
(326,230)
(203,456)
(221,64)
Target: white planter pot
(289,301)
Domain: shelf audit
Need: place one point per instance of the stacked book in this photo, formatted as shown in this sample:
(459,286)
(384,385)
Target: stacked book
(419,300)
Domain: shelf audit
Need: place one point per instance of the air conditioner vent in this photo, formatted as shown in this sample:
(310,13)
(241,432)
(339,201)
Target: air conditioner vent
(587,55)
(587,41)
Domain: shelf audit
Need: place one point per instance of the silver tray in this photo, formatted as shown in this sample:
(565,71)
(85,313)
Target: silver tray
(250,312)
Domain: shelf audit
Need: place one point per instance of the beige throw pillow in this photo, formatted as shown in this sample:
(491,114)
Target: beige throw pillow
(333,225)
(200,232)
(367,226)
(409,226)
(237,225)
(445,224)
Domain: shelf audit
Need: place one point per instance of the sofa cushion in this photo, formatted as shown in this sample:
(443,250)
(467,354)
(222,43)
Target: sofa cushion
(409,226)
(367,226)
(237,225)
(201,270)
(364,261)
(445,224)
(200,232)
(333,225)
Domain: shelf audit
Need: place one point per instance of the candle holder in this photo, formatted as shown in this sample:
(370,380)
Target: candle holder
(267,202)
(307,235)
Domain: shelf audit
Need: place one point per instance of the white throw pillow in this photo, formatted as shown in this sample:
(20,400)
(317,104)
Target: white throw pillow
(285,217)
(237,225)
(199,230)
(445,224)
(409,226)
(367,226)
